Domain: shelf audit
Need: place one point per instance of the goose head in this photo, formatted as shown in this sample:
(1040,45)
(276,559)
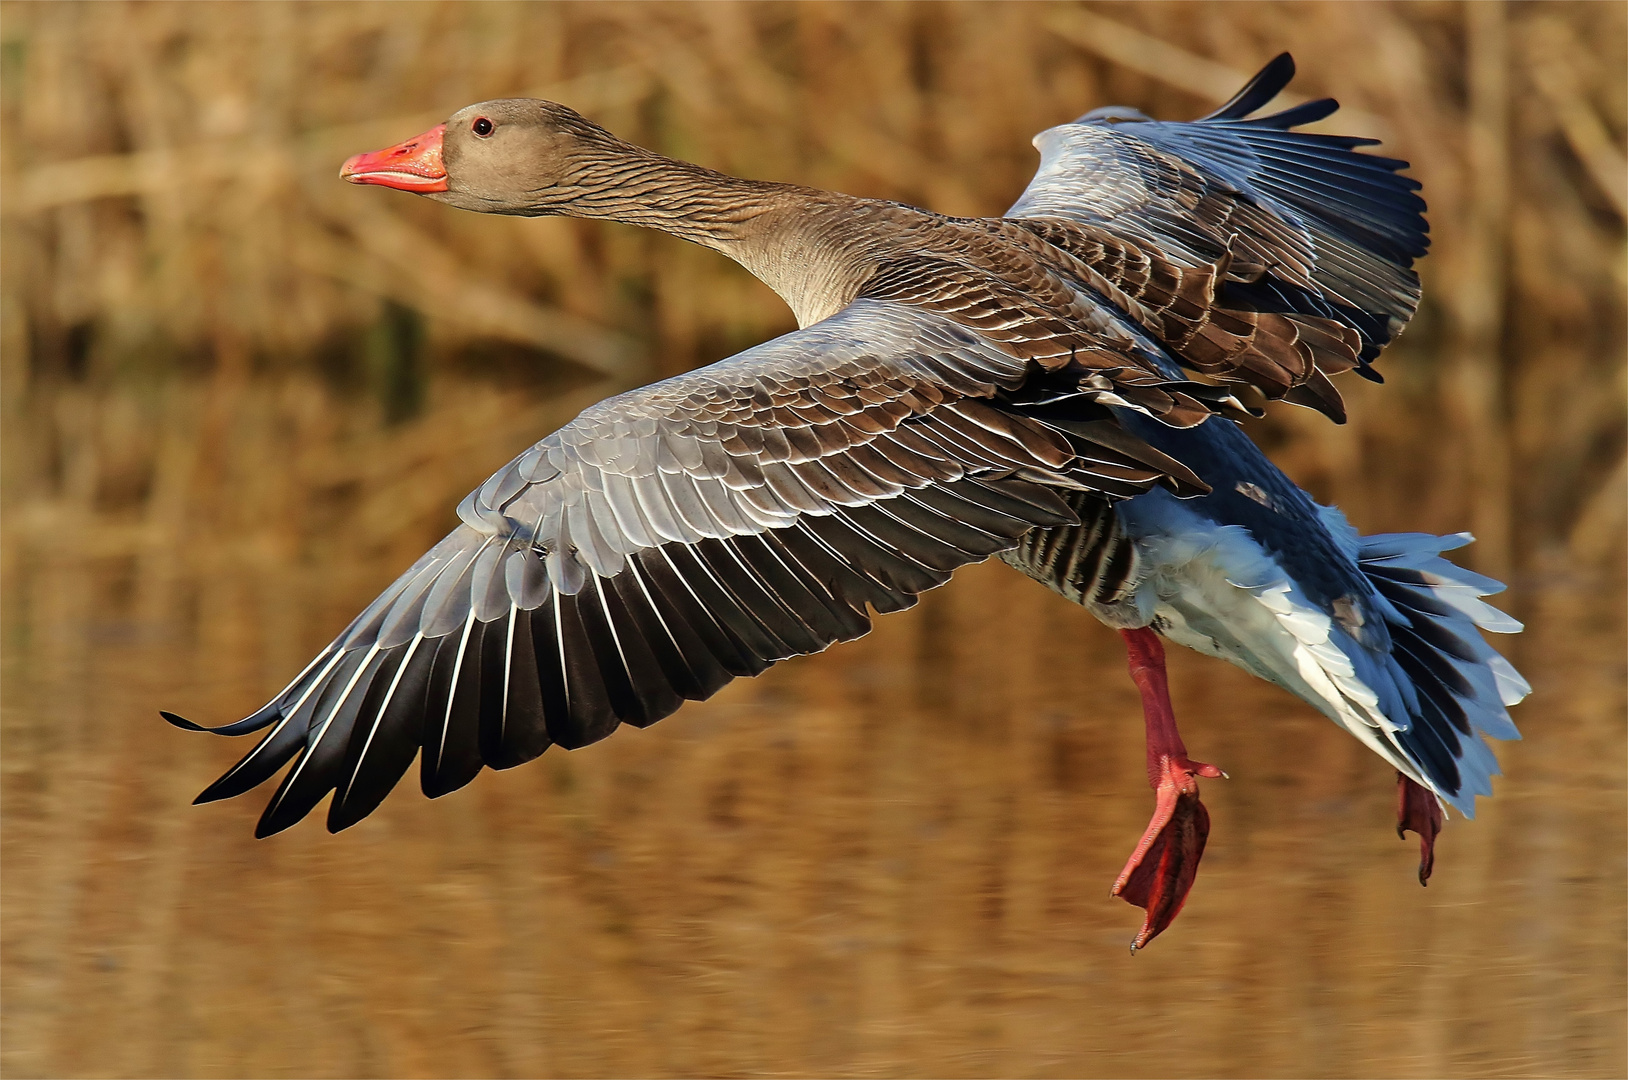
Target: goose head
(509,156)
(533,158)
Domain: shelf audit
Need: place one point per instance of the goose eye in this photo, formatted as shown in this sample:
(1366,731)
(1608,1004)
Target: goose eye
(481,127)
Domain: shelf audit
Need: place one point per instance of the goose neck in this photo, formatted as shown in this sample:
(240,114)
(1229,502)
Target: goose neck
(655,192)
(790,238)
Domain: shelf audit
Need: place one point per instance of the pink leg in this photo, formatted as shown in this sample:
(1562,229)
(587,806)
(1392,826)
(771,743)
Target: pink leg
(1418,810)
(1162,868)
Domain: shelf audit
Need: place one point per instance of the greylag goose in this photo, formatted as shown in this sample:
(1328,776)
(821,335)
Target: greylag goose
(1056,387)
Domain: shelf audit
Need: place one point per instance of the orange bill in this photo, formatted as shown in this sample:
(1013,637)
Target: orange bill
(414,165)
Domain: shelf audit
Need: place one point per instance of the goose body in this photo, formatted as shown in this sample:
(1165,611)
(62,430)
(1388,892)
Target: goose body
(1376,632)
(1056,387)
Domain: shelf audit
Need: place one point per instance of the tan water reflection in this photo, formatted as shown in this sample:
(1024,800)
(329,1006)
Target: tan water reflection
(890,860)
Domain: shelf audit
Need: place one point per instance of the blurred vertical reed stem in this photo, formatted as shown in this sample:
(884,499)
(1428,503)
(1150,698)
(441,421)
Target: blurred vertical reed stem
(1477,374)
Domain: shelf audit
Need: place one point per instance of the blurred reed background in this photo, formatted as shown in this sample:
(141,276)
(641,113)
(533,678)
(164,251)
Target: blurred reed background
(238,396)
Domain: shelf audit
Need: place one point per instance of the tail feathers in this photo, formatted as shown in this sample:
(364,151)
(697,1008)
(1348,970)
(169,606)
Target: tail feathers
(1461,687)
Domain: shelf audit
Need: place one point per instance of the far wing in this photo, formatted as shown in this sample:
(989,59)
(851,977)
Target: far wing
(675,537)
(1311,226)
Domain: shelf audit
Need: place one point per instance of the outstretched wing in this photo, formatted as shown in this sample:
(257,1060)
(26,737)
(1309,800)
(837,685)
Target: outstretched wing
(1304,223)
(675,537)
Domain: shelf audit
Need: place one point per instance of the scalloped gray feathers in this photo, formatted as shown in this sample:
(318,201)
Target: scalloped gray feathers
(677,536)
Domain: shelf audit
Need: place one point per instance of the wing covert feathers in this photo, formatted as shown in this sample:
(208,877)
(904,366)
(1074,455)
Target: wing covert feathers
(1185,309)
(676,537)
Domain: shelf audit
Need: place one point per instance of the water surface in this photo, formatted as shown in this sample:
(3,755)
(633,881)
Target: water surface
(889,860)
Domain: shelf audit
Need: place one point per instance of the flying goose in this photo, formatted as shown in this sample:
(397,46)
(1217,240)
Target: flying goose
(1057,387)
